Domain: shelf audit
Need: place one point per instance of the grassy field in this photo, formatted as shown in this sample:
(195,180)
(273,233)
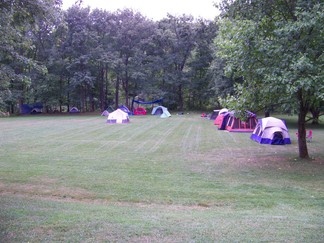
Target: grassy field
(76,178)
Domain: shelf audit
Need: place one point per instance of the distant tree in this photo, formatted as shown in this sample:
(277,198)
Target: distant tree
(103,28)
(45,36)
(178,41)
(78,46)
(201,59)
(132,32)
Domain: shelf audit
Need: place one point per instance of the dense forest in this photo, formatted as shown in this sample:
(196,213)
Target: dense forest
(259,55)
(93,59)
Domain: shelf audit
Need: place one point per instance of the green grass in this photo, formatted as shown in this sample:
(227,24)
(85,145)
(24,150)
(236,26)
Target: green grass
(76,178)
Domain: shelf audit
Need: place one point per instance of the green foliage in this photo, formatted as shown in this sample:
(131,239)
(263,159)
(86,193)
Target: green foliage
(18,66)
(281,57)
(279,54)
(85,57)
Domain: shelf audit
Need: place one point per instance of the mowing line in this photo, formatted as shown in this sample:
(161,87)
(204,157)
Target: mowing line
(162,138)
(198,139)
(233,137)
(185,142)
(143,143)
(135,132)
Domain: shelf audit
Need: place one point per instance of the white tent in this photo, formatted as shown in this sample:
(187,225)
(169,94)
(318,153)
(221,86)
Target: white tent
(271,130)
(162,111)
(118,116)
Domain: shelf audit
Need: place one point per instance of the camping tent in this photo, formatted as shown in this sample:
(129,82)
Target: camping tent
(214,115)
(139,111)
(33,109)
(110,109)
(36,111)
(125,109)
(235,124)
(105,113)
(219,118)
(74,110)
(271,130)
(162,111)
(118,116)
(222,120)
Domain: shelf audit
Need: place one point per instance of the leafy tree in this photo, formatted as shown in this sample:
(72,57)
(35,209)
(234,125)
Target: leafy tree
(44,87)
(178,41)
(133,31)
(78,51)
(199,64)
(103,28)
(17,64)
(277,47)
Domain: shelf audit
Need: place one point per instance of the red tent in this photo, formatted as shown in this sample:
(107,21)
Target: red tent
(139,111)
(235,124)
(218,120)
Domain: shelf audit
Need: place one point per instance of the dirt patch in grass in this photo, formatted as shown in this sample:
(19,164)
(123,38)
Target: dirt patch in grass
(44,187)
(241,159)
(96,201)
(47,192)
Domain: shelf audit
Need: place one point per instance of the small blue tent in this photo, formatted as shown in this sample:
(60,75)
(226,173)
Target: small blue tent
(31,109)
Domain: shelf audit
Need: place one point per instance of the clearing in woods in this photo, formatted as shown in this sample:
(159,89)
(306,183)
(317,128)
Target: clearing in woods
(76,178)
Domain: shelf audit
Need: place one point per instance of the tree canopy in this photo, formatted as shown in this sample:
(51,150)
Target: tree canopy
(94,58)
(277,48)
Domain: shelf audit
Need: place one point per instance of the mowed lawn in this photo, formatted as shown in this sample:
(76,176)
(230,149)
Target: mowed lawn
(79,179)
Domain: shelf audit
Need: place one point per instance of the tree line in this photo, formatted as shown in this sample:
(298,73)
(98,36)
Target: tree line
(93,59)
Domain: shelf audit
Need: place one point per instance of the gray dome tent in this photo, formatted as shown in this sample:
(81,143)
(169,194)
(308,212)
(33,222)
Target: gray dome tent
(162,111)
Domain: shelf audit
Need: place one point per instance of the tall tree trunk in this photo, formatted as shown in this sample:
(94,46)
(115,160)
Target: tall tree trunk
(126,93)
(102,88)
(92,100)
(126,87)
(117,93)
(106,89)
(82,98)
(180,96)
(61,93)
(303,109)
(68,97)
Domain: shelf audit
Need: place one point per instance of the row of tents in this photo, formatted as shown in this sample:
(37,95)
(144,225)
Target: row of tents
(121,115)
(268,130)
